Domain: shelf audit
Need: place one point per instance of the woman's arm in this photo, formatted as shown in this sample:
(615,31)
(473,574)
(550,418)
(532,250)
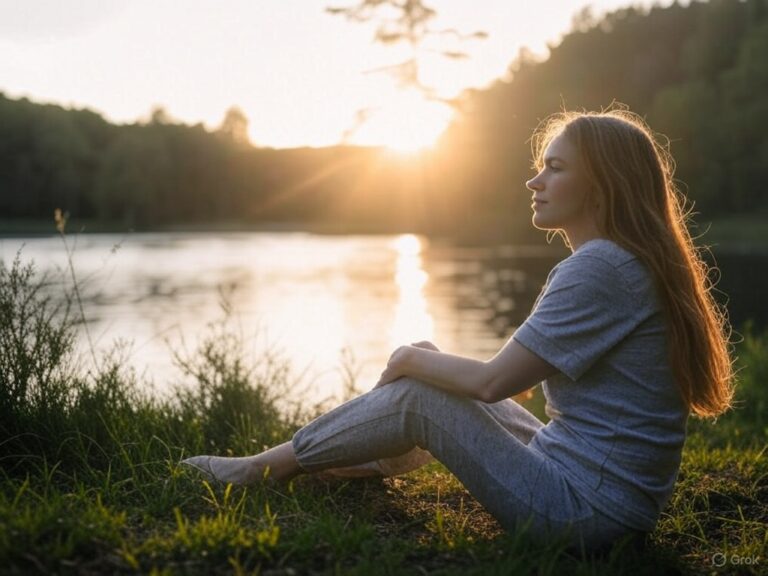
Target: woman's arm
(511,371)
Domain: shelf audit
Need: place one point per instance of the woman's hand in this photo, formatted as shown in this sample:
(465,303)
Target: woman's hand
(394,369)
(395,365)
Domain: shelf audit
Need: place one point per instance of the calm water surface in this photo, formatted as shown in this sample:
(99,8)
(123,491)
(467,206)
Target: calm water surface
(316,299)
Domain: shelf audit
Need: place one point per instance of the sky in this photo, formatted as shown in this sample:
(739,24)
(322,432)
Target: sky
(302,76)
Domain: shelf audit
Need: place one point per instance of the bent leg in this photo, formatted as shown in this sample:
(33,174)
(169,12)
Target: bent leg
(516,419)
(475,441)
(508,413)
(392,466)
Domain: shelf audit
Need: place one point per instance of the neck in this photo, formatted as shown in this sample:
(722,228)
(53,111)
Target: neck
(576,238)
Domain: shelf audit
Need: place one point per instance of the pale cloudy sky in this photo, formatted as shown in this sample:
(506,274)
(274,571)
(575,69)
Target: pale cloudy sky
(299,74)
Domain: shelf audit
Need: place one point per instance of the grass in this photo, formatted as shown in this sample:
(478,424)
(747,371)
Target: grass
(90,481)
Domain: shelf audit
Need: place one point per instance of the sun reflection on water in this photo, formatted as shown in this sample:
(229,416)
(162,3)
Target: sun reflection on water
(304,297)
(412,321)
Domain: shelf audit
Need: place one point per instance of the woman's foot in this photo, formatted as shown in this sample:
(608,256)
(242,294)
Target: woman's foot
(274,465)
(239,471)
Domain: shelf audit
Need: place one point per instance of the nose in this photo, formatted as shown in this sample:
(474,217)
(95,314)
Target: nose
(534,184)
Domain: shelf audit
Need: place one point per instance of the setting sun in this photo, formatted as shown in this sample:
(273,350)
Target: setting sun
(407,123)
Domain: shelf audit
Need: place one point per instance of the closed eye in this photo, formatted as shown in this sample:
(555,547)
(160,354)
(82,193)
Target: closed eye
(554,163)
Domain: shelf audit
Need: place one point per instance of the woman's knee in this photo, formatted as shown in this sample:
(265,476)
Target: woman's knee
(415,393)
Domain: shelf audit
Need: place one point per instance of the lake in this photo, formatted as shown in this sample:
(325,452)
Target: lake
(326,303)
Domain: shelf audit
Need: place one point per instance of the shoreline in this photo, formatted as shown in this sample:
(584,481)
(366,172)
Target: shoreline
(731,235)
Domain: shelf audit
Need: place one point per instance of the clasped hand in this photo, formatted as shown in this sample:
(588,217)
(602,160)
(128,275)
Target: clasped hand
(394,369)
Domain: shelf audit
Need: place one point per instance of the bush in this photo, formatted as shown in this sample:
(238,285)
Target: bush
(54,412)
(37,335)
(233,403)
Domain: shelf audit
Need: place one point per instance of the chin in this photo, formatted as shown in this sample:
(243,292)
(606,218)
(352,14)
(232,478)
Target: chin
(541,223)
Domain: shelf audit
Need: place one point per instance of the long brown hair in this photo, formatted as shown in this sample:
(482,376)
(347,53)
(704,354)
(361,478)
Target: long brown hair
(642,210)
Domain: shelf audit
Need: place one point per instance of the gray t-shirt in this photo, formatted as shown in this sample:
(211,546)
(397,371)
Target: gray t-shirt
(617,420)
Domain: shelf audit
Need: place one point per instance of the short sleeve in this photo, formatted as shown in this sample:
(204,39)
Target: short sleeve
(585,309)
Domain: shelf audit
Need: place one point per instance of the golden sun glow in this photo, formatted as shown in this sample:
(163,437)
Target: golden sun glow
(407,123)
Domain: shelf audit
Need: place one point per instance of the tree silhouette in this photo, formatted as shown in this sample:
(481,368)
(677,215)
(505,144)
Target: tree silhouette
(235,126)
(409,22)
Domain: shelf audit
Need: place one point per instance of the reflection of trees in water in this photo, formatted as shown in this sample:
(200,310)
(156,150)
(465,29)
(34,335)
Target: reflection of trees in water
(513,283)
(498,285)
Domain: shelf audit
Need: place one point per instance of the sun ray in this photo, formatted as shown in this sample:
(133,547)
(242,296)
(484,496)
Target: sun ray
(406,123)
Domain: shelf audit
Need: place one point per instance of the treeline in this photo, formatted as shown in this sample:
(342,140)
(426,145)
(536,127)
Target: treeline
(158,173)
(697,72)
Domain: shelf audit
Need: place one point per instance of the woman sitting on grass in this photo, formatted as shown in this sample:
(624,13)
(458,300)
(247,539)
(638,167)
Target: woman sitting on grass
(625,335)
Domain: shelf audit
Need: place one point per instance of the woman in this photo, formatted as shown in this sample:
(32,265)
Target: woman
(625,335)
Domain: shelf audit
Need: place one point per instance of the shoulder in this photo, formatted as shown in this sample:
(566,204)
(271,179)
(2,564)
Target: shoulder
(595,298)
(604,263)
(602,254)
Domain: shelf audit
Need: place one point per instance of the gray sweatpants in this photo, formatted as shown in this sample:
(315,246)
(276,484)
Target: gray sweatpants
(484,445)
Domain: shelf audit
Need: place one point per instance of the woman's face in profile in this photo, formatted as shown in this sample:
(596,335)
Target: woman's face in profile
(561,190)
